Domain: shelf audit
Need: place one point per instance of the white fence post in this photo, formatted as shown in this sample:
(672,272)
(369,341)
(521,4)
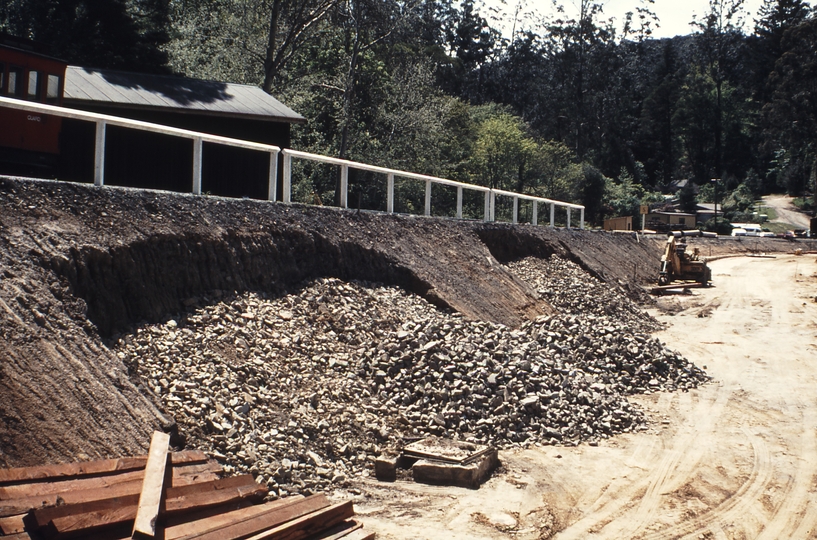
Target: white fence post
(567,208)
(487,215)
(99,154)
(344,186)
(197,148)
(390,194)
(552,215)
(535,214)
(272,192)
(581,218)
(428,198)
(459,202)
(493,206)
(286,196)
(515,210)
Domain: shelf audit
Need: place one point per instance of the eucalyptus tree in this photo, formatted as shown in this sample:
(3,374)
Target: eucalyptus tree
(791,117)
(250,41)
(719,39)
(593,64)
(657,132)
(775,17)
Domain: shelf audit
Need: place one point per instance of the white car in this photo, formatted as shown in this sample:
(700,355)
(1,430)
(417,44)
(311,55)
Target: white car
(767,234)
(738,232)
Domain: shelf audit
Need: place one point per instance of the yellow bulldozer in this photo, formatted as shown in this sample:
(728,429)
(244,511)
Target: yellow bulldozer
(679,265)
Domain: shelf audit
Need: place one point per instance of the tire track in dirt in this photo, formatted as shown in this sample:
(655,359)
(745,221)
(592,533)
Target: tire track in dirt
(611,501)
(678,466)
(793,512)
(734,509)
(627,506)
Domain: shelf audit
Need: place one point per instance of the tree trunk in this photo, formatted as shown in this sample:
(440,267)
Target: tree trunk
(719,130)
(348,102)
(270,70)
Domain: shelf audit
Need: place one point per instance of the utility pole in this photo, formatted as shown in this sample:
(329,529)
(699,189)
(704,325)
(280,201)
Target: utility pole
(716,181)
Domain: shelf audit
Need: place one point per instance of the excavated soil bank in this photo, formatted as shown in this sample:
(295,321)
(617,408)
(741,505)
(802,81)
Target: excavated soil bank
(79,264)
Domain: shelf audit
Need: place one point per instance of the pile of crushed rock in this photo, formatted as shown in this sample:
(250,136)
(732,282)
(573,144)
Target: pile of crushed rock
(305,390)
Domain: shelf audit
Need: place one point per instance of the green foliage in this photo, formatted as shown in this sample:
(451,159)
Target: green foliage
(119,34)
(738,200)
(720,226)
(706,193)
(589,190)
(687,199)
(804,204)
(503,153)
(557,170)
(622,197)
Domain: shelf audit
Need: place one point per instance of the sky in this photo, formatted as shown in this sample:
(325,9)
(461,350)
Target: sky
(674,15)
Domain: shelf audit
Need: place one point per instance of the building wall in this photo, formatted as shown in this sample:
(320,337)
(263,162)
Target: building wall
(673,219)
(619,224)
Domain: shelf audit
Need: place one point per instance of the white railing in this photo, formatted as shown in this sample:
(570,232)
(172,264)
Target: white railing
(391,174)
(103,120)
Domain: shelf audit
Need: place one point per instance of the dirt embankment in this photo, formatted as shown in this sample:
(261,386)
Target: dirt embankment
(78,264)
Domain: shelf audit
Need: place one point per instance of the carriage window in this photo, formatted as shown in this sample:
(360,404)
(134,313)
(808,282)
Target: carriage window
(15,87)
(33,85)
(52,93)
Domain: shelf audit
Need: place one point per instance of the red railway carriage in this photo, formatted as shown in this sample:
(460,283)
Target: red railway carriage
(29,141)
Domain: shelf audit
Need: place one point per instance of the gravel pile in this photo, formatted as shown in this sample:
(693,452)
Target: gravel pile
(305,390)
(568,288)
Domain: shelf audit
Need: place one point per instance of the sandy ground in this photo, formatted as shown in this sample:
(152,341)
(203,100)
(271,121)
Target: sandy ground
(786,211)
(735,459)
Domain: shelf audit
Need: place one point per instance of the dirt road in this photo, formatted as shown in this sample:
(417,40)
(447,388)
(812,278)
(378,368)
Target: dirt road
(734,459)
(786,211)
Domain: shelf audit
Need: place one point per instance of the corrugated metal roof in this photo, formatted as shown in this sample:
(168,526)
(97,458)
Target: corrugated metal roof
(119,88)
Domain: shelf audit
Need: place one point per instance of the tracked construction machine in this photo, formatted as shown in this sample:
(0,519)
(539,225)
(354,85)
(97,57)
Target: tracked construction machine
(679,265)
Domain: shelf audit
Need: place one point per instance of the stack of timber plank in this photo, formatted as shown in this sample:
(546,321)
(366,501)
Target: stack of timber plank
(164,495)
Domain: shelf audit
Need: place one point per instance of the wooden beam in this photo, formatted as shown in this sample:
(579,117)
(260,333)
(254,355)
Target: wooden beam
(310,524)
(341,530)
(358,534)
(166,522)
(18,536)
(201,498)
(23,505)
(65,471)
(150,499)
(223,519)
(67,520)
(272,517)
(12,524)
(181,476)
(40,517)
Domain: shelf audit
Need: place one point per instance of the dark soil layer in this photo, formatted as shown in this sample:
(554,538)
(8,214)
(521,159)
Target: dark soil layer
(78,264)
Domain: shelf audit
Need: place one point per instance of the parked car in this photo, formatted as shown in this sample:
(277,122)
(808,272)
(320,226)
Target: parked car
(767,234)
(738,232)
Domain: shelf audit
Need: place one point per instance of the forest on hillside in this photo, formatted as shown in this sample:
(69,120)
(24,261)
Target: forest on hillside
(575,106)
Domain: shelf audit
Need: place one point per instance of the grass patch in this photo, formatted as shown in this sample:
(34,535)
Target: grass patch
(778,228)
(771,212)
(805,204)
